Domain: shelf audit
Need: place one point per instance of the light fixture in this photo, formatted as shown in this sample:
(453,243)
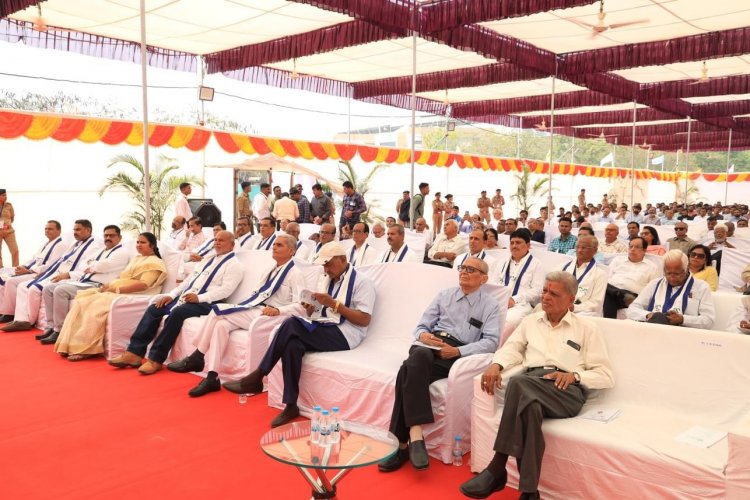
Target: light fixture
(39,24)
(451,126)
(295,75)
(205,93)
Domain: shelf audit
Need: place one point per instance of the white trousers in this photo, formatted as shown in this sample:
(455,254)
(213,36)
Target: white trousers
(513,319)
(10,289)
(58,299)
(215,333)
(28,301)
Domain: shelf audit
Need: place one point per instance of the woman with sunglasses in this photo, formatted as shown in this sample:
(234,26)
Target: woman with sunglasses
(699,264)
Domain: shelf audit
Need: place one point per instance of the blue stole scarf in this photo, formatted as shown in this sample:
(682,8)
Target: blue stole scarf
(79,247)
(399,257)
(481,256)
(205,248)
(244,240)
(266,244)
(575,269)
(670,298)
(178,300)
(87,277)
(271,285)
(354,250)
(519,277)
(331,318)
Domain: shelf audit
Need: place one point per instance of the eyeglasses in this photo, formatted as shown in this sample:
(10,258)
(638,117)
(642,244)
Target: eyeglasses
(696,255)
(680,229)
(469,270)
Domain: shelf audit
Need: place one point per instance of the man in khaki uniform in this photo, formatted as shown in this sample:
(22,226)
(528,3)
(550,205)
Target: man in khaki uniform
(484,204)
(7,233)
(243,201)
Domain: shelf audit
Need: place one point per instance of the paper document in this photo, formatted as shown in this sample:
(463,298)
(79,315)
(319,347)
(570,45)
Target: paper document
(602,415)
(422,344)
(702,437)
(306,297)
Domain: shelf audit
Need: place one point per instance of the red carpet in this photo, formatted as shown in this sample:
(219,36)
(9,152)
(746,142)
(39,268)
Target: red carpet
(87,430)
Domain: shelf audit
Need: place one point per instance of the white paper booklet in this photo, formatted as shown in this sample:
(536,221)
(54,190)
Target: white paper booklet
(702,437)
(602,415)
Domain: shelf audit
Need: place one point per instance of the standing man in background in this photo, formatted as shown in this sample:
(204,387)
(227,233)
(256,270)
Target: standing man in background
(243,201)
(7,233)
(181,205)
(402,209)
(416,208)
(353,206)
(261,205)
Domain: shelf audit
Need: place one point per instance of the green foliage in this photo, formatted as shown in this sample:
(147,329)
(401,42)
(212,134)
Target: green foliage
(163,190)
(361,184)
(530,187)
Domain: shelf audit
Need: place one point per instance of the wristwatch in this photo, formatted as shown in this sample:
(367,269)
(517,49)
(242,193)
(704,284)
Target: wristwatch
(577,377)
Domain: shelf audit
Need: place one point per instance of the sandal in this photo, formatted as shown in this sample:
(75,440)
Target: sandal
(80,357)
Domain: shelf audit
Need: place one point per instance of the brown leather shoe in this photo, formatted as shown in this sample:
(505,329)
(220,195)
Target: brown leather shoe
(16,326)
(149,367)
(126,360)
(250,384)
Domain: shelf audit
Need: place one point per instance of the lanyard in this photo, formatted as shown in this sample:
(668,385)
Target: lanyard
(575,269)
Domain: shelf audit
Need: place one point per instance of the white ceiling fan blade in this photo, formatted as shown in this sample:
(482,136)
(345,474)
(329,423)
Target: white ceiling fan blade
(628,23)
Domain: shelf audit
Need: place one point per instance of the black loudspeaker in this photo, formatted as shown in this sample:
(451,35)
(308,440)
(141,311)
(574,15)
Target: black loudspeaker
(206,210)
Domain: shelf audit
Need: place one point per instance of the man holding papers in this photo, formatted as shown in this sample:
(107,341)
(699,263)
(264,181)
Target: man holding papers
(460,321)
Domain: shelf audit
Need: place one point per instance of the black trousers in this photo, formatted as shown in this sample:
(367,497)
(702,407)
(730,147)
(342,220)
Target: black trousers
(291,343)
(529,399)
(149,325)
(412,405)
(613,300)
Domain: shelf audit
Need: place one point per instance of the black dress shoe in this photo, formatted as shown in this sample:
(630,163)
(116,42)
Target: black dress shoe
(51,339)
(251,384)
(529,496)
(290,413)
(483,485)
(6,318)
(187,365)
(209,384)
(395,461)
(46,333)
(418,455)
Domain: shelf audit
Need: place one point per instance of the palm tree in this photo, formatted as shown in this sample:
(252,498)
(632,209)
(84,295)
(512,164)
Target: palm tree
(162,194)
(529,189)
(361,185)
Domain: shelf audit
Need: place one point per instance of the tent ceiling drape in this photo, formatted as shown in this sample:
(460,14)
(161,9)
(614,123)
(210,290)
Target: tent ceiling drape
(485,60)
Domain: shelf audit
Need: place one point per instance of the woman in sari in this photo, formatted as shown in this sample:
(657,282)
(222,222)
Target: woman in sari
(437,211)
(83,331)
(652,239)
(699,265)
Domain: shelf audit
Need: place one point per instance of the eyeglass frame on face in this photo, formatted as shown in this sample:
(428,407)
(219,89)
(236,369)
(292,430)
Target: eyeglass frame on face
(700,256)
(680,228)
(468,269)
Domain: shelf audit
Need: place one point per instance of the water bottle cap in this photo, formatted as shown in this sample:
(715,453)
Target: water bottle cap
(316,408)
(325,412)
(458,438)
(335,408)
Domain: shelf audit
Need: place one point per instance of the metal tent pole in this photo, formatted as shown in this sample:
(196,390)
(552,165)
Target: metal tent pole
(632,156)
(726,181)
(413,108)
(144,89)
(551,144)
(687,160)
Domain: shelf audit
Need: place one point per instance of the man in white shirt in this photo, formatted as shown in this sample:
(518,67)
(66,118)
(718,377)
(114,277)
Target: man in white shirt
(676,299)
(524,277)
(47,255)
(212,282)
(397,250)
(302,252)
(266,235)
(29,295)
(635,214)
(606,214)
(563,356)
(285,209)
(243,233)
(59,294)
(612,243)
(378,230)
(194,237)
(261,205)
(628,275)
(181,205)
(447,246)
(327,234)
(361,252)
(477,241)
(592,280)
(177,235)
(277,294)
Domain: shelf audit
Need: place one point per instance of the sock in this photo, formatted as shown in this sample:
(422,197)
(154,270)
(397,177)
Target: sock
(497,465)
(415,433)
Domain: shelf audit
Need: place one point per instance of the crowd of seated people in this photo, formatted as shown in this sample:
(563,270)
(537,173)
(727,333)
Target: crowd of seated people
(612,276)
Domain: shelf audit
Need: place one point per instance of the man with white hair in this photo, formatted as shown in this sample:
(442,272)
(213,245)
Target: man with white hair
(628,275)
(301,252)
(378,230)
(397,250)
(675,299)
(447,246)
(719,240)
(612,243)
(592,280)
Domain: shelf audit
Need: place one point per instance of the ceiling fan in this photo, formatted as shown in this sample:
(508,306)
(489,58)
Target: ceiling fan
(542,127)
(602,136)
(645,145)
(704,78)
(601,26)
(41,26)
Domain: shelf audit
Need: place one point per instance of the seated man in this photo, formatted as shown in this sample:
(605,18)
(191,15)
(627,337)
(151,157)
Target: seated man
(29,295)
(266,236)
(565,241)
(681,241)
(47,255)
(536,228)
(302,252)
(563,356)
(634,230)
(212,282)
(719,240)
(326,234)
(447,246)
(477,240)
(378,231)
(339,322)
(243,232)
(361,252)
(524,277)
(612,243)
(628,275)
(59,294)
(740,321)
(510,226)
(592,280)
(676,299)
(398,251)
(460,321)
(276,294)
(177,235)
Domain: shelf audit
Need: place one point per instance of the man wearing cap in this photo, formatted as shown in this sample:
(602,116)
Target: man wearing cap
(7,233)
(337,320)
(243,201)
(181,205)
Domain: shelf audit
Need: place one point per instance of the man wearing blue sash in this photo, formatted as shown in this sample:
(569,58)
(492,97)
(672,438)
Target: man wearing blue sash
(676,299)
(265,237)
(243,233)
(460,321)
(397,251)
(277,294)
(29,295)
(524,277)
(592,280)
(11,278)
(477,241)
(337,321)
(302,251)
(212,282)
(58,295)
(327,234)
(361,253)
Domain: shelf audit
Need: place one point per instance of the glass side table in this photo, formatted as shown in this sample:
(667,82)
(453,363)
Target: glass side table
(360,445)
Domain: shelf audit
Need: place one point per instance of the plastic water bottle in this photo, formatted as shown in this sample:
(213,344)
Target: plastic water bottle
(315,425)
(243,399)
(325,428)
(458,456)
(335,424)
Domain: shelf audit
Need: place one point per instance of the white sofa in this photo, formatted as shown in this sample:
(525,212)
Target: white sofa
(667,380)
(362,381)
